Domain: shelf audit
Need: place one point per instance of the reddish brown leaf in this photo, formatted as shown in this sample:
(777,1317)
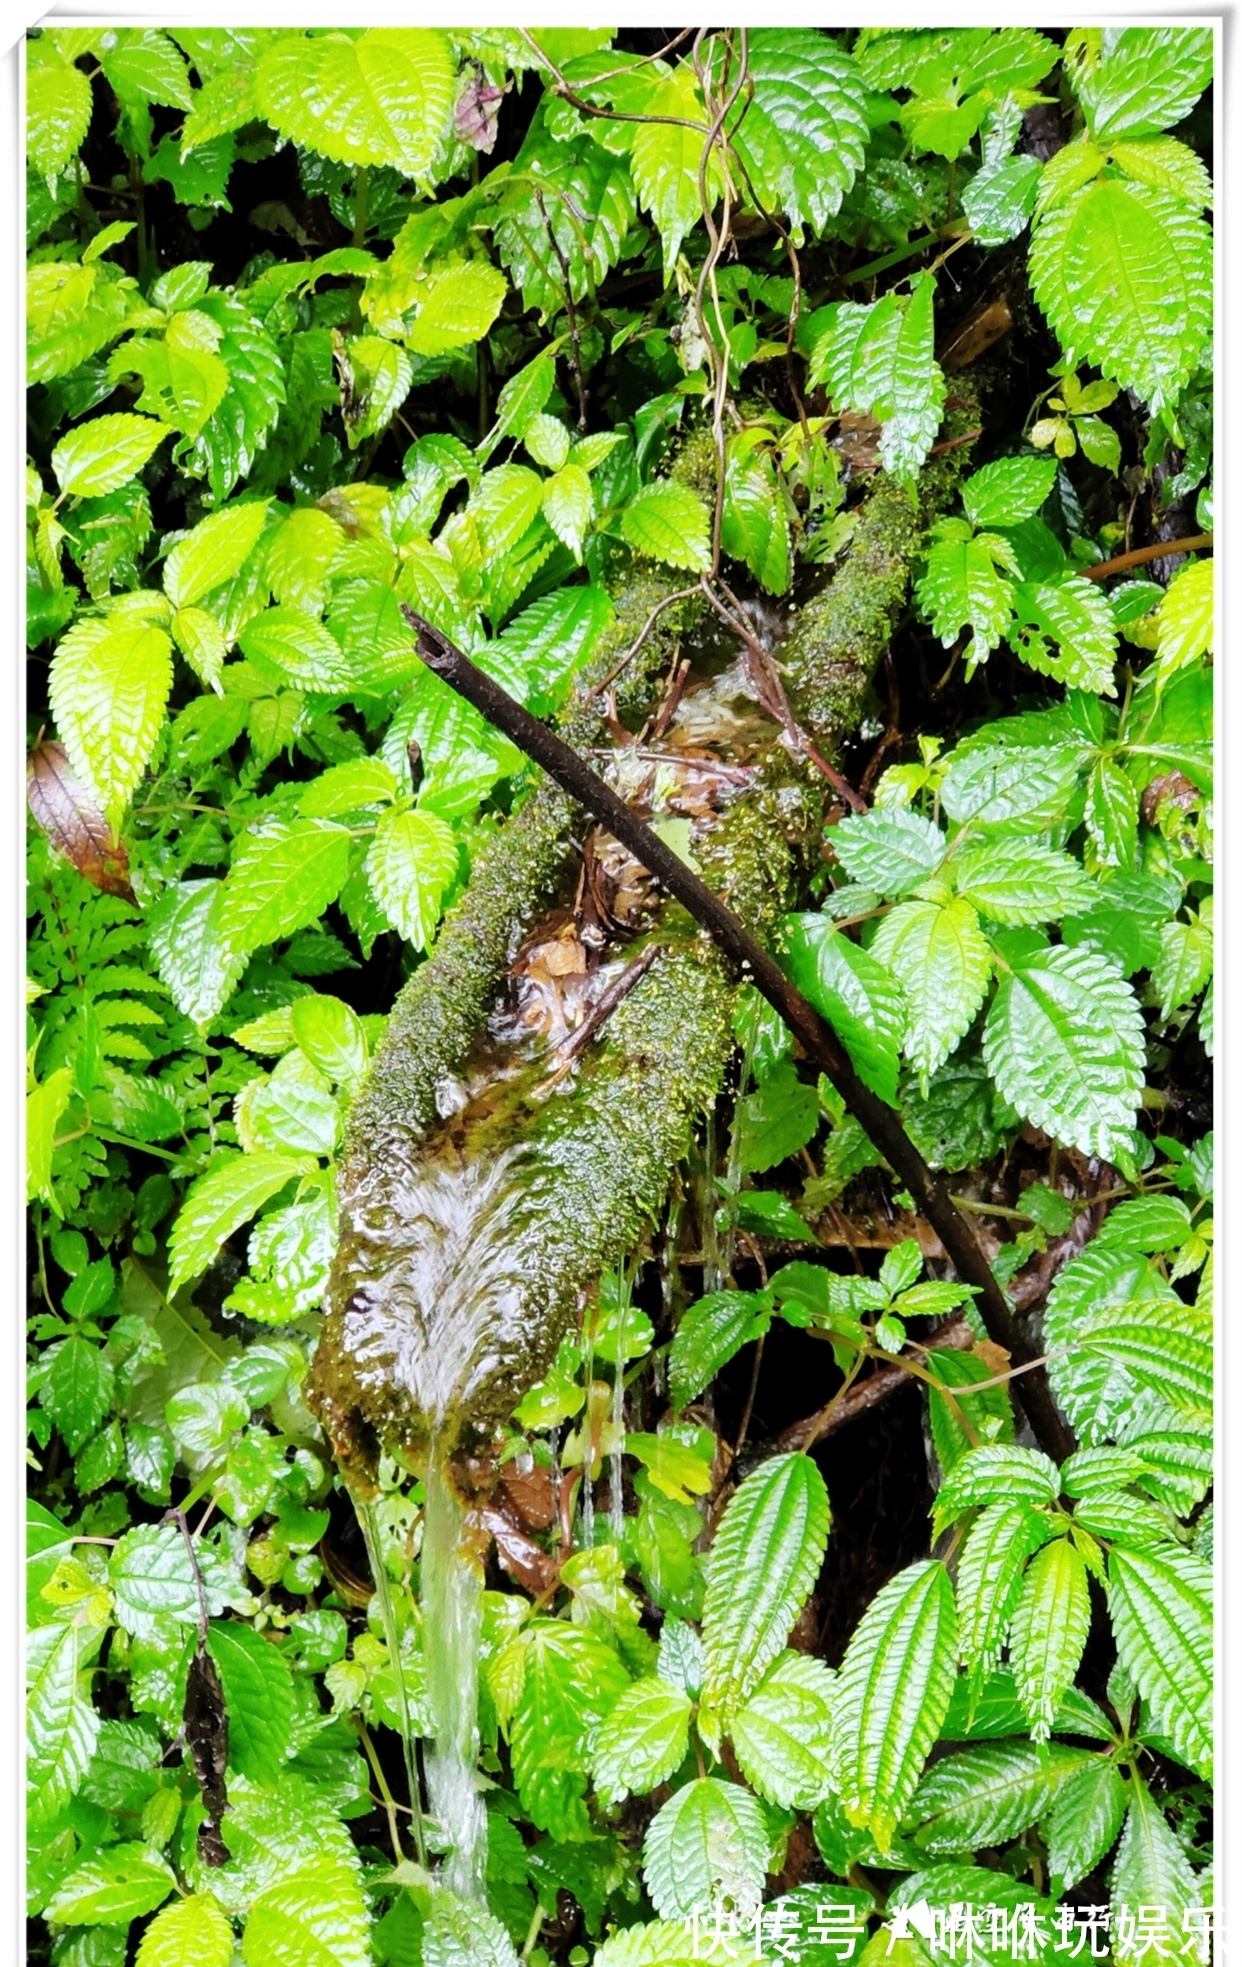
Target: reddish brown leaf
(73,822)
(477,111)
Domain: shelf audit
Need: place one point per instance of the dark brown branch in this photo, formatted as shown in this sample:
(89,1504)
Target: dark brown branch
(817,1038)
(866,1394)
(1199,543)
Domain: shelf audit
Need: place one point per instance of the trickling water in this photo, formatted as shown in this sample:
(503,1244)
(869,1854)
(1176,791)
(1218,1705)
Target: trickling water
(616,1514)
(452,1597)
(368,1520)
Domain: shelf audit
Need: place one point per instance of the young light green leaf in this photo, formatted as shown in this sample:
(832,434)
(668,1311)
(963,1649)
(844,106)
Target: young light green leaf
(192,1932)
(1005,493)
(1049,1631)
(782,1733)
(1028,883)
(755,521)
(191,953)
(709,1843)
(1151,1869)
(1083,1822)
(58,107)
(879,361)
(764,1559)
(311,1916)
(411,865)
(289,648)
(674,1943)
(62,1727)
(642,1741)
(890,849)
(282,880)
(118,1885)
(382,98)
(891,1696)
(1075,615)
(217,549)
(1144,79)
(1160,1603)
(569,506)
(940,957)
(962,588)
(105,454)
(454,306)
(220,1201)
(1111,813)
(202,642)
(986,1795)
(666,158)
(45,1108)
(1186,620)
(854,992)
(999,200)
(1064,1043)
(668,523)
(258,1698)
(709,1333)
(332,1037)
(108,690)
(1168,165)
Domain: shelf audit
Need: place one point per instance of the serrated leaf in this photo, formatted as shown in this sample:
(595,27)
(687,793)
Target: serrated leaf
(1064,1042)
(282,880)
(854,991)
(999,783)
(1009,491)
(1030,883)
(348,788)
(1083,1823)
(106,453)
(674,1943)
(997,1472)
(668,523)
(258,1698)
(191,1933)
(1151,1869)
(1185,620)
(764,1559)
(571,1683)
(666,157)
(1048,1632)
(116,1886)
(62,1727)
(1111,813)
(201,640)
(1144,79)
(1174,1362)
(569,506)
(708,1844)
(384,97)
(984,1796)
(941,958)
(891,1696)
(58,108)
(315,1916)
(1075,615)
(879,361)
(890,849)
(989,1577)
(332,1037)
(774,1121)
(1160,1603)
(193,957)
(999,200)
(1167,165)
(754,521)
(961,588)
(77,1389)
(782,1733)
(643,1740)
(289,648)
(213,552)
(708,1335)
(805,128)
(108,690)
(411,864)
(144,65)
(219,1202)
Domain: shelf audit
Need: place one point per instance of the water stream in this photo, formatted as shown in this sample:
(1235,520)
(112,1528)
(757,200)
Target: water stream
(452,1598)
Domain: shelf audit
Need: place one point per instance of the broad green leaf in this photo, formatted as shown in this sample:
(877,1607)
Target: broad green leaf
(1144,79)
(61,1725)
(1049,1631)
(192,1932)
(879,361)
(1083,1823)
(1005,493)
(411,865)
(71,311)
(1095,1392)
(1075,616)
(1168,165)
(1173,1361)
(643,1740)
(144,65)
(708,1335)
(282,880)
(192,955)
(292,1109)
(572,1681)
(220,1201)
(588,208)
(890,849)
(258,1697)
(999,200)
(45,1109)
(709,1843)
(569,506)
(940,957)
(1160,1603)
(996,1473)
(962,588)
(77,1388)
(1064,1043)
(805,128)
(456,305)
(891,1696)
(547,441)
(1027,883)
(106,453)
(774,1121)
(331,1036)
(202,642)
(998,783)
(668,523)
(986,1795)
(1185,619)
(855,992)
(755,522)
(297,557)
(58,107)
(987,1709)
(547,643)
(764,1559)
(782,1733)
(108,690)
(348,789)
(382,98)
(1111,813)
(118,1885)
(288,647)
(666,158)
(989,1577)
(280,1836)
(315,1916)
(217,549)
(1151,1869)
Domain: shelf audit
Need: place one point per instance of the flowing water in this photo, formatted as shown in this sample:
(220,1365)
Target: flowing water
(368,1522)
(452,1597)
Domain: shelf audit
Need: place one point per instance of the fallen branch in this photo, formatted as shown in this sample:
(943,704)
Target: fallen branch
(1163,550)
(820,1043)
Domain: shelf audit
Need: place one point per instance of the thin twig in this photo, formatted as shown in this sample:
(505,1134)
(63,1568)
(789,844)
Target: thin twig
(682,594)
(616,994)
(571,312)
(1198,543)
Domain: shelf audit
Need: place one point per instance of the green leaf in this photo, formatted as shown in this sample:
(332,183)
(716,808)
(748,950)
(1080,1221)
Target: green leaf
(1167,165)
(999,200)
(777,1119)
(1185,962)
(803,135)
(1111,813)
(411,865)
(382,98)
(572,1681)
(282,880)
(666,157)
(1151,1869)
(989,1577)
(1009,491)
(457,1934)
(755,522)
(58,108)
(782,1733)
(143,65)
(119,1885)
(331,1036)
(1064,1043)
(668,523)
(1075,615)
(764,1559)
(77,1389)
(1173,1361)
(643,1740)
(106,453)
(108,690)
(996,1472)
(61,1725)
(202,642)
(710,1332)
(45,1108)
(192,1932)
(292,1108)
(1083,1823)
(569,506)
(213,552)
(961,588)
(998,783)
(1160,1603)
(708,1844)
(258,1698)
(1186,620)
(1031,883)
(986,1795)
(1049,1631)
(890,849)
(891,1696)
(315,1916)
(940,957)
(854,992)
(1144,79)
(191,953)
(879,361)
(219,1202)
(348,788)
(547,643)
(288,647)
(456,305)
(674,1943)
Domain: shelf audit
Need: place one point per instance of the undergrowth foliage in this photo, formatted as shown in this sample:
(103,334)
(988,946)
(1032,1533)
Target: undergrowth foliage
(323,322)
